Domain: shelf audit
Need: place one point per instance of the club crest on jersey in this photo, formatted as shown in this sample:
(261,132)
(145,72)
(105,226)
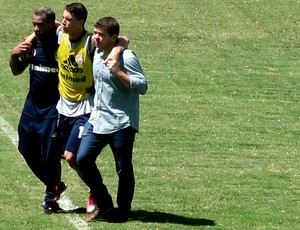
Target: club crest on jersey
(79,59)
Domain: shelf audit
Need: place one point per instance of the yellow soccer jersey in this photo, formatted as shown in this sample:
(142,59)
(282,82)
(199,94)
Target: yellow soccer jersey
(75,69)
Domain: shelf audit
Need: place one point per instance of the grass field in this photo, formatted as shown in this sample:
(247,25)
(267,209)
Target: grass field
(219,139)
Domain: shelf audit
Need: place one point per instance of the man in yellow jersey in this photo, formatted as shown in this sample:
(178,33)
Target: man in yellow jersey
(75,55)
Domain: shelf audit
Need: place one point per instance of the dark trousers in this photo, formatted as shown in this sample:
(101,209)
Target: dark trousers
(121,144)
(41,151)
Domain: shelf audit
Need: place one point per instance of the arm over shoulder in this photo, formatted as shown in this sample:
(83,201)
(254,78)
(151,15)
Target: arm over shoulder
(19,56)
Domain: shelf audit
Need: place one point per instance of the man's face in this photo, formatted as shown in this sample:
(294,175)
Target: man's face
(40,25)
(102,39)
(70,23)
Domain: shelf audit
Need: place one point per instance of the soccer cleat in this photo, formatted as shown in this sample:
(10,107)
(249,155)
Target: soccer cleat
(91,205)
(50,208)
(98,214)
(93,211)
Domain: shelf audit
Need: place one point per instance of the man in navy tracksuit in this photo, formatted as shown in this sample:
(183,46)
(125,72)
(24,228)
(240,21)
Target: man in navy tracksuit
(38,123)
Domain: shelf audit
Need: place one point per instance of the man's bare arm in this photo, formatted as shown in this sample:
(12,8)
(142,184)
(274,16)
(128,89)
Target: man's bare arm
(17,66)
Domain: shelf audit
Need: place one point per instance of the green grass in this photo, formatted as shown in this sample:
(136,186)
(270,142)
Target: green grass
(219,140)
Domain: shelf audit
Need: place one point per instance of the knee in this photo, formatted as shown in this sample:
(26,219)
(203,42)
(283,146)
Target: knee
(124,168)
(71,159)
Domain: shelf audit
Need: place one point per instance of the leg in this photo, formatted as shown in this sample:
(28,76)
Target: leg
(122,147)
(71,159)
(90,147)
(30,147)
(37,147)
(51,145)
(77,126)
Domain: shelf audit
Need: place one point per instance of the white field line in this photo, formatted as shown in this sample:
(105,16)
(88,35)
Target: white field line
(64,202)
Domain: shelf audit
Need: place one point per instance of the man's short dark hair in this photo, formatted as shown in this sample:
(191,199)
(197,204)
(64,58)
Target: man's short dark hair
(110,24)
(78,10)
(47,11)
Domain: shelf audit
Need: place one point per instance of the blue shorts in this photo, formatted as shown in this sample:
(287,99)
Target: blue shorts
(70,130)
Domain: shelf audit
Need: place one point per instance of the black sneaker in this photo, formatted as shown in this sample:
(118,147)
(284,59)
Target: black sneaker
(50,208)
(118,215)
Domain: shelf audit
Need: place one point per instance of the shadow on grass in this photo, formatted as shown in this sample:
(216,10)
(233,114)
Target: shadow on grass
(160,217)
(156,217)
